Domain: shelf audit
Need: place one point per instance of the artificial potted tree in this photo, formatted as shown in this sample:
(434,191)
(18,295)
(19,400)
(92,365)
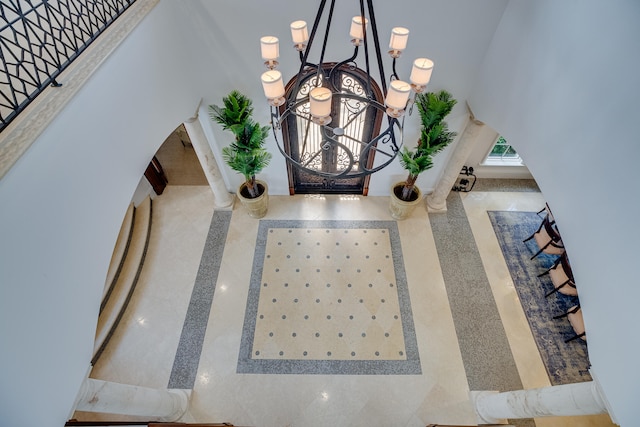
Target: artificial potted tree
(246,154)
(434,137)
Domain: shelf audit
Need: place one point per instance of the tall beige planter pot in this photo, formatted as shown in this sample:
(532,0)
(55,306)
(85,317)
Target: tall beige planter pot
(399,208)
(256,208)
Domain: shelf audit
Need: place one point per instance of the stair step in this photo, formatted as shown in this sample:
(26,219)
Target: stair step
(120,295)
(119,254)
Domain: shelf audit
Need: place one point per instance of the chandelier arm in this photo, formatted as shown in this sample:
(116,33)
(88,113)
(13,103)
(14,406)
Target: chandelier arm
(394,76)
(376,42)
(336,68)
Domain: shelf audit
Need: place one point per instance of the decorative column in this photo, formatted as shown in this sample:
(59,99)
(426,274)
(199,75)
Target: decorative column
(115,398)
(437,201)
(493,407)
(222,198)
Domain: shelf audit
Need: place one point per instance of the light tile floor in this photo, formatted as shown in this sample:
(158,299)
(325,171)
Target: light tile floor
(143,349)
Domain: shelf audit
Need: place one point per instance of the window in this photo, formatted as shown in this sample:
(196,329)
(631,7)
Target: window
(502,153)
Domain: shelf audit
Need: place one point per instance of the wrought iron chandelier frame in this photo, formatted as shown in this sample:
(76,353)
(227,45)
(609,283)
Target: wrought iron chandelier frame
(387,143)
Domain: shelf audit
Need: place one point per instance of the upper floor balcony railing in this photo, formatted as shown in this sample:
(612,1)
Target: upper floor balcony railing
(39,39)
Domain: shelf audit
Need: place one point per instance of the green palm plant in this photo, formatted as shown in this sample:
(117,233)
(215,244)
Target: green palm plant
(246,154)
(434,137)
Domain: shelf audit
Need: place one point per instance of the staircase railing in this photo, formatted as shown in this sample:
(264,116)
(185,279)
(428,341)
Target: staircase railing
(39,39)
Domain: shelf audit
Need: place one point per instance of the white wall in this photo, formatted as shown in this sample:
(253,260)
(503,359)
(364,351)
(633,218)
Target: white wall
(61,207)
(560,82)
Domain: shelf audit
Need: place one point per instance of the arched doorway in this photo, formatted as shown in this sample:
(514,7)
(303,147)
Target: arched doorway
(302,139)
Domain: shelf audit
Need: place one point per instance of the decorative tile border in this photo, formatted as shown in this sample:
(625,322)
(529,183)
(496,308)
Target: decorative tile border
(185,364)
(409,366)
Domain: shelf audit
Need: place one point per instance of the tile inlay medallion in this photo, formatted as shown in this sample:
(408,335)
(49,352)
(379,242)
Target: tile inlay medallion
(328,297)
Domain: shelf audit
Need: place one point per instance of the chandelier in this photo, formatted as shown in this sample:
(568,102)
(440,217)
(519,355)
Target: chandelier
(328,110)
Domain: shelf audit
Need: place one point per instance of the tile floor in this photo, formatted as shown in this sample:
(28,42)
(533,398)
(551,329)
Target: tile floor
(143,349)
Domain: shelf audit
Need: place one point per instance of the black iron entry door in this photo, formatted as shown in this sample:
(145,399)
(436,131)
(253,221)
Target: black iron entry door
(305,141)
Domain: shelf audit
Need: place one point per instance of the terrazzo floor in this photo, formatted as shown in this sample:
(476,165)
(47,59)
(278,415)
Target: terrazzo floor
(275,394)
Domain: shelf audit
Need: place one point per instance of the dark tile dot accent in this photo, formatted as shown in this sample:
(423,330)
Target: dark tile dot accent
(395,317)
(304,353)
(391,285)
(308,256)
(364,335)
(386,334)
(379,270)
(274,300)
(270,334)
(357,243)
(373,317)
(262,316)
(328,353)
(295,300)
(270,231)
(290,231)
(279,243)
(318,300)
(257,353)
(386,256)
(375,243)
(346,231)
(371,285)
(338,270)
(327,231)
(328,256)
(297,270)
(288,256)
(377,353)
(361,300)
(329,317)
(281,353)
(337,243)
(401,353)
(317,243)
(339,301)
(340,334)
(364,231)
(308,231)
(351,317)
(265,285)
(353,353)
(382,300)
(306,285)
(349,285)
(284,316)
(277,269)
(306,317)
(294,335)
(268,256)
(384,231)
(298,243)
(367,257)
(328,285)
(286,285)
(358,270)
(317,270)
(317,334)
(348,256)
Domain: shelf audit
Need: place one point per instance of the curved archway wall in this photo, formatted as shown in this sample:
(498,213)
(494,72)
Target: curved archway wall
(61,208)
(560,82)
